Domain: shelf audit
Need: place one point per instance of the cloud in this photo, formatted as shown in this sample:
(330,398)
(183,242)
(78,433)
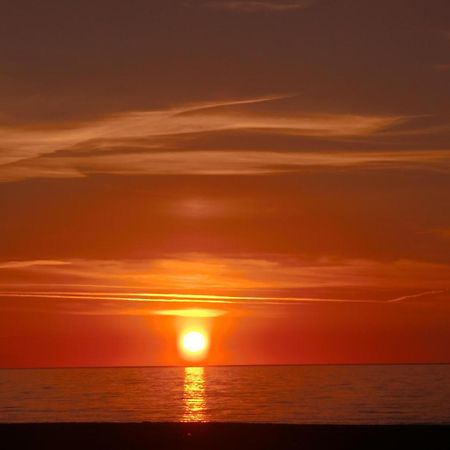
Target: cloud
(190,312)
(216,163)
(111,303)
(150,142)
(22,143)
(418,295)
(194,286)
(106,133)
(31,264)
(207,279)
(248,6)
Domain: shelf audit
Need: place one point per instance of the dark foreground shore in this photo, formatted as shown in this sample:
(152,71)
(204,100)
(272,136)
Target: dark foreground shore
(211,436)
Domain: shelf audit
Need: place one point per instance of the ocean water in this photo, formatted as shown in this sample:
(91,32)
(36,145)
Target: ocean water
(278,394)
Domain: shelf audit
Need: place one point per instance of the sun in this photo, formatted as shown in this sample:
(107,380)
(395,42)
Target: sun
(194,341)
(194,344)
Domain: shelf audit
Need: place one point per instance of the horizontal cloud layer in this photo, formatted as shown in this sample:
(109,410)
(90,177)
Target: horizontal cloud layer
(154,142)
(215,163)
(250,6)
(211,277)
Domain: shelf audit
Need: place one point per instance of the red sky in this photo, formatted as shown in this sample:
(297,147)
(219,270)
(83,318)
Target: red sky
(281,166)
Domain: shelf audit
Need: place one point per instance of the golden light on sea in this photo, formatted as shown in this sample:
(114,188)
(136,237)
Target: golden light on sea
(194,398)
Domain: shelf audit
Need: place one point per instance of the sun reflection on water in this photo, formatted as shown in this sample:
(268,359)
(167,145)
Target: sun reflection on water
(194,399)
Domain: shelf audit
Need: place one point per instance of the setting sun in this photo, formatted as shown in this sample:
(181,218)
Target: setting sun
(194,344)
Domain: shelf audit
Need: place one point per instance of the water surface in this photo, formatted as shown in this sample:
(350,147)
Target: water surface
(279,394)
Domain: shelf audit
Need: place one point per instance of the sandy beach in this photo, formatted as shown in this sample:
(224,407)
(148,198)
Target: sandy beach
(134,436)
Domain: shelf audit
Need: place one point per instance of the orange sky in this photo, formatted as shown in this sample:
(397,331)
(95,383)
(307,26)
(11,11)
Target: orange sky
(281,167)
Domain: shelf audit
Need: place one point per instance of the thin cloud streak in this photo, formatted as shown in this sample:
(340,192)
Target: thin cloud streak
(32,264)
(413,296)
(248,6)
(216,163)
(157,298)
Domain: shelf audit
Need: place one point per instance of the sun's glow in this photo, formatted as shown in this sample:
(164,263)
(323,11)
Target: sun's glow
(194,344)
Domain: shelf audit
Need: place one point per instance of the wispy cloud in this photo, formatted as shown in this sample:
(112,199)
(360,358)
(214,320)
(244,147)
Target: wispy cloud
(219,286)
(216,275)
(149,142)
(249,6)
(19,144)
(414,296)
(32,264)
(100,302)
(215,163)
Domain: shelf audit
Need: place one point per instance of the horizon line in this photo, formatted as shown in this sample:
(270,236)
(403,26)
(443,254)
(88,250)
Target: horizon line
(184,366)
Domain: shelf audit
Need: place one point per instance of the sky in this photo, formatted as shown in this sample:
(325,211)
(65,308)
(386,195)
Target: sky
(273,172)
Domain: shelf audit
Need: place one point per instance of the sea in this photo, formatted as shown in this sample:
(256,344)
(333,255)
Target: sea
(375,394)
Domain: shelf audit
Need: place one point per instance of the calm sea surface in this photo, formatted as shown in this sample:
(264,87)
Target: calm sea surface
(296,394)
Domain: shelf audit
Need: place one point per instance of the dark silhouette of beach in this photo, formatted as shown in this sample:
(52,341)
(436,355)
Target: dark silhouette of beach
(212,436)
